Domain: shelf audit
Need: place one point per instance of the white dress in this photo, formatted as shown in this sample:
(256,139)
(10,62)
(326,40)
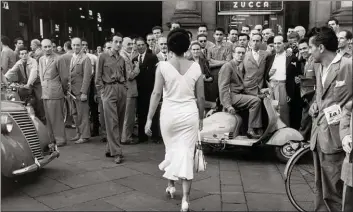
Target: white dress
(179,121)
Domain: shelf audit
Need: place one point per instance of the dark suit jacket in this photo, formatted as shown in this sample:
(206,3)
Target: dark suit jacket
(292,70)
(145,80)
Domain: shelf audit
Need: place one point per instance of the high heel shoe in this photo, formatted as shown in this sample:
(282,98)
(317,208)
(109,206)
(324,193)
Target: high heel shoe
(184,206)
(170,190)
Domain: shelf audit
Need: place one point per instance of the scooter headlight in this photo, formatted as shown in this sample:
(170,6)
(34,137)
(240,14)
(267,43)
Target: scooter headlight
(6,123)
(11,98)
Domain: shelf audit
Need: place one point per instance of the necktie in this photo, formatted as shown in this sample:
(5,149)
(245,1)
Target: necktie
(25,69)
(165,57)
(256,57)
(140,59)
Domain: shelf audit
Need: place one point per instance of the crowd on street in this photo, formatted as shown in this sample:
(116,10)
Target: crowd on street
(111,90)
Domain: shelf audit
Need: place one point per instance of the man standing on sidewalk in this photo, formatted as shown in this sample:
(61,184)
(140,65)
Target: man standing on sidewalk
(333,91)
(36,52)
(54,85)
(80,73)
(130,113)
(111,84)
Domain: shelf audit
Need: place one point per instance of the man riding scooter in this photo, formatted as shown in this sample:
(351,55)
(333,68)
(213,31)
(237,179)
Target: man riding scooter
(25,72)
(232,95)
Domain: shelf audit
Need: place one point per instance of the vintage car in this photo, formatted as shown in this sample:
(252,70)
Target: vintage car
(24,141)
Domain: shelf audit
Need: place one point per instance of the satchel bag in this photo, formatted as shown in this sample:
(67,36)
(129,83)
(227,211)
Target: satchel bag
(199,158)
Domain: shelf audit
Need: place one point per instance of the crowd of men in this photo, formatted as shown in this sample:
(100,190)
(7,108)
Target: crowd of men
(108,90)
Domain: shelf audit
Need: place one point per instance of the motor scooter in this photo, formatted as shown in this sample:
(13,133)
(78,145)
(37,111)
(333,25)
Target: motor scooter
(222,130)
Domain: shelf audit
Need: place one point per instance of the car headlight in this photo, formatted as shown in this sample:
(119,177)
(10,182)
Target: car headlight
(6,123)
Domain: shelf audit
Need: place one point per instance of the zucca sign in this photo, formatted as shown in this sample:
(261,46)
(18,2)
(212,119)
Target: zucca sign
(243,6)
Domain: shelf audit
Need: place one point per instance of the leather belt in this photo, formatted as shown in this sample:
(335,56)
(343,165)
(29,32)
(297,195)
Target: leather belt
(112,83)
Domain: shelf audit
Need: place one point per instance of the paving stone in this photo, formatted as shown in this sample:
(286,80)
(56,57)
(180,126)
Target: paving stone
(209,203)
(22,202)
(95,177)
(230,177)
(262,179)
(137,201)
(94,205)
(268,202)
(145,167)
(228,166)
(43,186)
(83,194)
(232,188)
(210,185)
(73,157)
(156,187)
(234,207)
(233,197)
(93,165)
(57,169)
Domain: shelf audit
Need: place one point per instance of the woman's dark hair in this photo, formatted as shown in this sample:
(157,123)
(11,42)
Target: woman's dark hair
(313,31)
(178,41)
(327,37)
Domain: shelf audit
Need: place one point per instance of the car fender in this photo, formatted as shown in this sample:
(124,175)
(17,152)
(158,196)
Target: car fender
(15,154)
(42,132)
(282,136)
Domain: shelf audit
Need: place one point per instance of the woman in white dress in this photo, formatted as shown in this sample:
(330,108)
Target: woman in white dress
(181,115)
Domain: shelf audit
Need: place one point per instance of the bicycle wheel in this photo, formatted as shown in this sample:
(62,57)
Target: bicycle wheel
(300,180)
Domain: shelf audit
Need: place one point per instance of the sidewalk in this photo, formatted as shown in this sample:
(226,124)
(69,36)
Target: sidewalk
(82,179)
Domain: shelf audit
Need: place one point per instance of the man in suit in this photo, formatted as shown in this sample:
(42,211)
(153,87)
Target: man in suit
(254,66)
(54,86)
(231,92)
(347,167)
(280,74)
(111,85)
(130,112)
(80,73)
(145,82)
(151,41)
(8,57)
(344,39)
(163,53)
(333,91)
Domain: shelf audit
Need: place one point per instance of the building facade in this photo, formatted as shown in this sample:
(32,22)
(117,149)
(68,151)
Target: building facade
(278,15)
(57,21)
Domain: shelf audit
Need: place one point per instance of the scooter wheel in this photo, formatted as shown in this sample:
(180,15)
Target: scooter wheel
(285,152)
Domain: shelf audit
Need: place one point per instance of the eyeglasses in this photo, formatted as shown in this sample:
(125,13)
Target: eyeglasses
(202,41)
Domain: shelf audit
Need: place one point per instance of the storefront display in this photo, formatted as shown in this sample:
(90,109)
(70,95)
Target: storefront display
(241,13)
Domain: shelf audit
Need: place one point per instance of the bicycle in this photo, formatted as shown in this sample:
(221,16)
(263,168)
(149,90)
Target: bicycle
(300,175)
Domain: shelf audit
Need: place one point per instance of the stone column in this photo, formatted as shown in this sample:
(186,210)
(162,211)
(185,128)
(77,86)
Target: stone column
(188,13)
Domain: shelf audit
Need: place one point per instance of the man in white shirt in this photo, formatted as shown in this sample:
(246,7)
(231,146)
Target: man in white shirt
(281,73)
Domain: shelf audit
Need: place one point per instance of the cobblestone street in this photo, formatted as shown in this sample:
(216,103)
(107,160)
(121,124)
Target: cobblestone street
(82,178)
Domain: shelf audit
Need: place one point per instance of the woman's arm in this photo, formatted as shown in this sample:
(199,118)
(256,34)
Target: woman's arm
(156,94)
(200,95)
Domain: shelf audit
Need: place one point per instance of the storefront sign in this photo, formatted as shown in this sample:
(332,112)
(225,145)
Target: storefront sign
(243,6)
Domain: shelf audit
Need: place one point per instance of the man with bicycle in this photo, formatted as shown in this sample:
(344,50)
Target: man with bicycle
(333,91)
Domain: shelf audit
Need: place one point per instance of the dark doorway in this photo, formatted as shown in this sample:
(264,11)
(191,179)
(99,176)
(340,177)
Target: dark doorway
(131,17)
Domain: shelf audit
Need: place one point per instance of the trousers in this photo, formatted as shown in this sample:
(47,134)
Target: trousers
(279,93)
(327,180)
(53,109)
(114,105)
(129,121)
(80,113)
